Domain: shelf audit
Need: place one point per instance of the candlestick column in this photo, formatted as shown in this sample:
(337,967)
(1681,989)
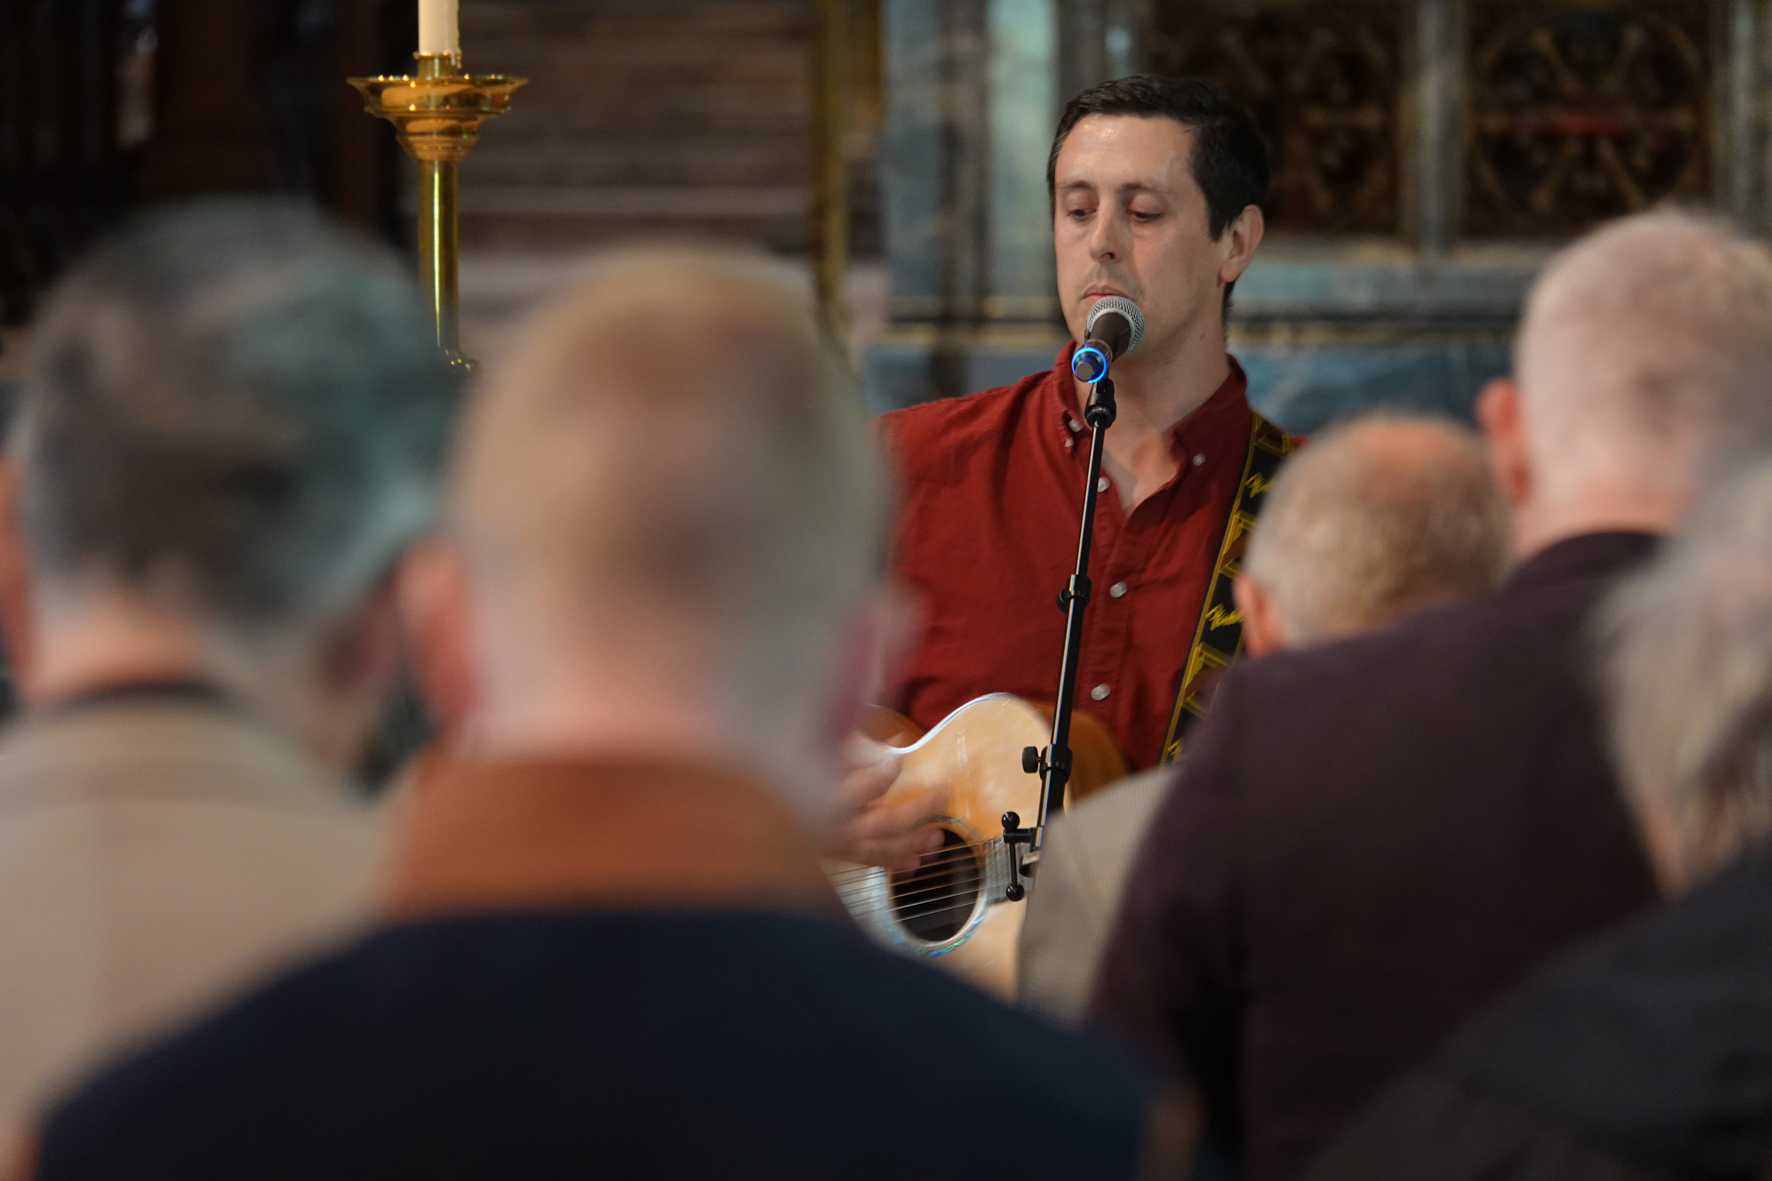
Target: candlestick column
(438,116)
(438,229)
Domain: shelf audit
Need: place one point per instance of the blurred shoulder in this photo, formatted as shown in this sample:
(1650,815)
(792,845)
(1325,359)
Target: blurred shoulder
(1092,1101)
(226,1071)
(956,1013)
(795,996)
(930,431)
(1427,641)
(1429,1125)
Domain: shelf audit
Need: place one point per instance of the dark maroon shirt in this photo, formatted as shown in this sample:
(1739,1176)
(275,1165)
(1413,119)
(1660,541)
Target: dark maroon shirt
(992,487)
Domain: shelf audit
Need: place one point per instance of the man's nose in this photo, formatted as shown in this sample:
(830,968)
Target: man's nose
(1107,238)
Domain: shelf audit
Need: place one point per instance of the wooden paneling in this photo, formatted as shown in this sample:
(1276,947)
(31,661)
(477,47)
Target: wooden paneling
(672,116)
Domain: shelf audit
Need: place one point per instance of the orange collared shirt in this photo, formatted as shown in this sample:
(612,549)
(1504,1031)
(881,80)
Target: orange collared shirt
(511,836)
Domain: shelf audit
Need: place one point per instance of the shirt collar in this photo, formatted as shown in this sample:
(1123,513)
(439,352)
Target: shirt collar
(530,835)
(174,689)
(1223,415)
(1586,555)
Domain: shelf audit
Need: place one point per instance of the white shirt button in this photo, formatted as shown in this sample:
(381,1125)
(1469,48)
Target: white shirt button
(1073,424)
(1101,485)
(1117,590)
(1067,444)
(1100,692)
(1198,460)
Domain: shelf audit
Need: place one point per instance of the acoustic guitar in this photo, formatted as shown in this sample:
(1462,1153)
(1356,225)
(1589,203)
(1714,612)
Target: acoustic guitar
(952,906)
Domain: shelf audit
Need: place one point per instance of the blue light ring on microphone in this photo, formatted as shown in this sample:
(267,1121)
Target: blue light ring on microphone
(1089,353)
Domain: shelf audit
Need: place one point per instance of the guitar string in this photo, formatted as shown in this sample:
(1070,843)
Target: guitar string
(922,893)
(902,904)
(939,861)
(966,899)
(911,885)
(918,913)
(937,906)
(943,862)
(922,910)
(942,856)
(906,898)
(917,881)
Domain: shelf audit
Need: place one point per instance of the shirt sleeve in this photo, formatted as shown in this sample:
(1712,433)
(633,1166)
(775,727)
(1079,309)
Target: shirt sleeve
(1169,980)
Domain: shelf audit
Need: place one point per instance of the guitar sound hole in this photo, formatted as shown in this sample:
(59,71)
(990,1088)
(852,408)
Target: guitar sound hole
(934,900)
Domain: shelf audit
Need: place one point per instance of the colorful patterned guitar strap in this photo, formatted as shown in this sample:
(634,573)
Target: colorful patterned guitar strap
(1218,636)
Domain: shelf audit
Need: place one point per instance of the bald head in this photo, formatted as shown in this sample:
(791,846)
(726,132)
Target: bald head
(1647,346)
(1374,518)
(668,469)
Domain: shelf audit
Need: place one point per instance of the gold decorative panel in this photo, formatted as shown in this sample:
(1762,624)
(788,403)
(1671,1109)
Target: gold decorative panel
(1324,80)
(1578,112)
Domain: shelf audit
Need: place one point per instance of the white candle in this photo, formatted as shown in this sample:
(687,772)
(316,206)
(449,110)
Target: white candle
(438,31)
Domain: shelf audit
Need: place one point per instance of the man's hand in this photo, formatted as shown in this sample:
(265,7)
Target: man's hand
(894,834)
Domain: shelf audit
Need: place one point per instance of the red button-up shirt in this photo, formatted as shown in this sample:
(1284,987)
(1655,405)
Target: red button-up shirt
(991,490)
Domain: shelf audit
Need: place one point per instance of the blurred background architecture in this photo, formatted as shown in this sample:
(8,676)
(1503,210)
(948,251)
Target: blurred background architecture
(1429,153)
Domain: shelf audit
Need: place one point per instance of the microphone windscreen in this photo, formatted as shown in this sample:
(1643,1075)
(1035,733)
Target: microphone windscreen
(1120,306)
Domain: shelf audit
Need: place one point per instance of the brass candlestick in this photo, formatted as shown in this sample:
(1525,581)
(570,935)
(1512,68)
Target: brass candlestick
(437,116)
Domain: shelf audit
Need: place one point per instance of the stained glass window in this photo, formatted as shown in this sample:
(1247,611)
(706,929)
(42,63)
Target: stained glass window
(1579,112)
(1324,78)
(1568,111)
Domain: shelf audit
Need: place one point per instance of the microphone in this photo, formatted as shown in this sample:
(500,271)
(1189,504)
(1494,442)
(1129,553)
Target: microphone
(1113,329)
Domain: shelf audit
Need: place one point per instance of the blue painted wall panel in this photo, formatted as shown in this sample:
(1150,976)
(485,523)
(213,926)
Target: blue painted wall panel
(1300,388)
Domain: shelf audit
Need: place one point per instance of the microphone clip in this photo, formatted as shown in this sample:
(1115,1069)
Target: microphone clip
(1100,411)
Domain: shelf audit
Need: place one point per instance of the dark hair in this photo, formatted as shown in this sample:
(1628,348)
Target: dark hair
(1230,158)
(241,399)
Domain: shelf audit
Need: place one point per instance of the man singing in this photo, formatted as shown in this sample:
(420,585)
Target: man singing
(1155,186)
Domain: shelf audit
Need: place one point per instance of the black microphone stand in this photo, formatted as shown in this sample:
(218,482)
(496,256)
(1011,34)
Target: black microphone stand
(1053,765)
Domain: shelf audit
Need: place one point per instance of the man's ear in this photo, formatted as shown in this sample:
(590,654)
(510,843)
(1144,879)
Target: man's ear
(363,654)
(357,665)
(1238,242)
(1502,417)
(1261,623)
(15,579)
(435,616)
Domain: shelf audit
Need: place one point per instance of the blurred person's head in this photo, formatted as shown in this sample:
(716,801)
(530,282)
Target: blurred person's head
(1689,647)
(231,422)
(667,522)
(1377,517)
(1156,185)
(1644,357)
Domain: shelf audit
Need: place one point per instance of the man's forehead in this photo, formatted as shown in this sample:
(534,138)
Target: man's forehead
(1126,151)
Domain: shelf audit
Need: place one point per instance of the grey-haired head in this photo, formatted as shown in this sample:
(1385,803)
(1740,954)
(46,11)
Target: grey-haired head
(234,405)
(1689,657)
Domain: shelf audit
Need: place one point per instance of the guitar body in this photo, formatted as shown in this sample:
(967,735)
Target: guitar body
(951,907)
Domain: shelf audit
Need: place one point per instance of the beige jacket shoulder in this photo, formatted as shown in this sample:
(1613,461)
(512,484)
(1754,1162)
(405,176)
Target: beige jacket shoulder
(156,854)
(1084,860)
